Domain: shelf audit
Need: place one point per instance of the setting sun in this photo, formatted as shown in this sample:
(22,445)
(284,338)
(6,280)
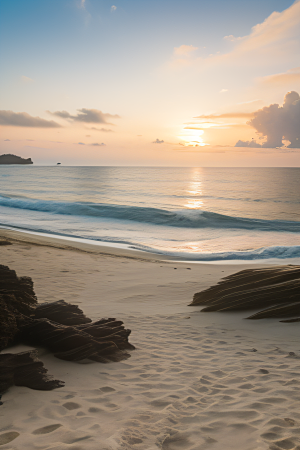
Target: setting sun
(192,138)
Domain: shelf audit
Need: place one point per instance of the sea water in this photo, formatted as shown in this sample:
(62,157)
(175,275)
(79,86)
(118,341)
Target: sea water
(204,214)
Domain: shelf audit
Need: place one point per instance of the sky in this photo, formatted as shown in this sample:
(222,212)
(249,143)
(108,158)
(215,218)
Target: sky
(160,82)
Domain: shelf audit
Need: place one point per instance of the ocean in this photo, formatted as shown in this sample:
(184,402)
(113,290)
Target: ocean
(200,214)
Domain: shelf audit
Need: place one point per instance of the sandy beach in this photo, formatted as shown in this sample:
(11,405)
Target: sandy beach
(196,381)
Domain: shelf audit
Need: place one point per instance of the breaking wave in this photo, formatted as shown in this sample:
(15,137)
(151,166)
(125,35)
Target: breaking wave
(155,216)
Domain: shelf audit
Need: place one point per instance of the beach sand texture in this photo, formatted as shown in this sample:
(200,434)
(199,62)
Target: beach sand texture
(196,381)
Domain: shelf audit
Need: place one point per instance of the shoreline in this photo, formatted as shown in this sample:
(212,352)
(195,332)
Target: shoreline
(121,250)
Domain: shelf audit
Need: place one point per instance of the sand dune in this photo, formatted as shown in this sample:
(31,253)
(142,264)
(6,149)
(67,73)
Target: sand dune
(195,381)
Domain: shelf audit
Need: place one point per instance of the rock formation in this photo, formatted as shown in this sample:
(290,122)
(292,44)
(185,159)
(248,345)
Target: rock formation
(275,291)
(13,159)
(59,326)
(25,369)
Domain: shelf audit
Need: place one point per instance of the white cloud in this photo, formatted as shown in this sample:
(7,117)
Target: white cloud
(113,8)
(232,38)
(223,90)
(184,50)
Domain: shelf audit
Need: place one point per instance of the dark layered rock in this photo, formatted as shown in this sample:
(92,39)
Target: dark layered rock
(99,343)
(25,369)
(296,319)
(61,312)
(17,302)
(278,311)
(274,290)
(59,326)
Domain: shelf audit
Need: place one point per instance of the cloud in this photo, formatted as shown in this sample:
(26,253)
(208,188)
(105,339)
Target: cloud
(23,119)
(252,144)
(257,100)
(158,142)
(232,115)
(184,50)
(291,76)
(95,144)
(6,140)
(86,115)
(275,39)
(26,80)
(81,4)
(113,8)
(223,90)
(277,123)
(278,36)
(232,38)
(101,129)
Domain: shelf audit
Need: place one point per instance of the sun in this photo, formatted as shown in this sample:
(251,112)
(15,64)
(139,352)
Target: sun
(192,138)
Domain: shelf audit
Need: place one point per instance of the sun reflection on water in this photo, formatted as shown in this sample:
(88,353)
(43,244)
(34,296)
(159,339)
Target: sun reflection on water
(194,190)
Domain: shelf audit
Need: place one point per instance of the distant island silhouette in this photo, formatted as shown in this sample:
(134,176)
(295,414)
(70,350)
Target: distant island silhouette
(13,159)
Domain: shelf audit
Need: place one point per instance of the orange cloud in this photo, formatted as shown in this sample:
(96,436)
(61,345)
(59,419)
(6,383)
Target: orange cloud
(277,37)
(232,115)
(291,76)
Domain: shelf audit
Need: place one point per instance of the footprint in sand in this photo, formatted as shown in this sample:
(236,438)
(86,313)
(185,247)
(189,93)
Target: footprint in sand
(47,429)
(69,396)
(95,410)
(285,444)
(263,371)
(176,441)
(5,438)
(283,423)
(107,389)
(71,405)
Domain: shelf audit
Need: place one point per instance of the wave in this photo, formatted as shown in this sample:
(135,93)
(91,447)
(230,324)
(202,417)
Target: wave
(277,252)
(263,253)
(147,215)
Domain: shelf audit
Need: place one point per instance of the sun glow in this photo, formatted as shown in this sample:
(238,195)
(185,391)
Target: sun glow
(192,138)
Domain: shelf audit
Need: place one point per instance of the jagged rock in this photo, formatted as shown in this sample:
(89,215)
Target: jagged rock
(17,301)
(25,369)
(247,280)
(59,326)
(61,312)
(296,319)
(276,290)
(291,309)
(74,344)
